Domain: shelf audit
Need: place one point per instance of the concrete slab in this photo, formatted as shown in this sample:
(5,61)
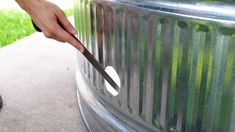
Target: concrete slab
(37,83)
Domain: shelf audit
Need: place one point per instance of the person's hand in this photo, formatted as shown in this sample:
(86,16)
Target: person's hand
(49,18)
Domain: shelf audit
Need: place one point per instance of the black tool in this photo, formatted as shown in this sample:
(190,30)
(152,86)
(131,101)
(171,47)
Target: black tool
(1,102)
(92,60)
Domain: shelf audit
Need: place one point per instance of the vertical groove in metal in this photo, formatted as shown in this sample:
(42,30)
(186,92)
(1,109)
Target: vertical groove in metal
(119,31)
(181,79)
(174,87)
(105,43)
(116,46)
(83,38)
(88,37)
(149,83)
(158,65)
(232,85)
(123,74)
(202,72)
(209,56)
(119,22)
(94,42)
(167,31)
(134,68)
(142,68)
(218,103)
(172,93)
(231,91)
(108,26)
(226,113)
(108,33)
(99,23)
(100,42)
(179,53)
(231,127)
(129,19)
(215,91)
(80,24)
(194,91)
(112,38)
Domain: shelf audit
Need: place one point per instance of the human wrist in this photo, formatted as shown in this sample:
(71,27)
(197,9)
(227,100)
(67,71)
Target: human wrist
(28,5)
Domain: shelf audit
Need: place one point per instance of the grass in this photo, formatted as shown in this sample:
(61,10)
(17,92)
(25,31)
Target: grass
(15,25)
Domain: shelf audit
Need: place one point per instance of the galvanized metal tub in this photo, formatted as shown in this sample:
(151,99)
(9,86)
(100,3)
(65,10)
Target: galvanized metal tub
(175,59)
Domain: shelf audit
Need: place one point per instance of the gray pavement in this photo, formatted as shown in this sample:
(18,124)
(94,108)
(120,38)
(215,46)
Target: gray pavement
(37,83)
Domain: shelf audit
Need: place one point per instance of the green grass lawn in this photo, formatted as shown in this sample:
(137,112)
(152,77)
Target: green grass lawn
(15,25)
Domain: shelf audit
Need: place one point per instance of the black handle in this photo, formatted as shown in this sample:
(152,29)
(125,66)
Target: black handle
(36,27)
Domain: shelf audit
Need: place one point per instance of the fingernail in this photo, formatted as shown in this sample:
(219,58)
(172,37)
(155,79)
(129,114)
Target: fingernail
(73,31)
(81,49)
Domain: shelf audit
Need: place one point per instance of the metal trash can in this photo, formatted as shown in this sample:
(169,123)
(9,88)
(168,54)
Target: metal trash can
(175,60)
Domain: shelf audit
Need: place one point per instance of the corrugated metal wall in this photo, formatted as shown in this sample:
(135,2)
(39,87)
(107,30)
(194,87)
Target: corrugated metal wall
(177,73)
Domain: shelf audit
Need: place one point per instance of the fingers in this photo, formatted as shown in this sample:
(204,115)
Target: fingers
(69,39)
(48,17)
(58,33)
(65,22)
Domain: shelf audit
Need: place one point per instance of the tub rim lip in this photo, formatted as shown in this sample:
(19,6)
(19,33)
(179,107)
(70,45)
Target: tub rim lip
(215,12)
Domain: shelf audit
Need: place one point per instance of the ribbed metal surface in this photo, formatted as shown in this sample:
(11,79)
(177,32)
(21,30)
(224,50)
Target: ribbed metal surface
(177,72)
